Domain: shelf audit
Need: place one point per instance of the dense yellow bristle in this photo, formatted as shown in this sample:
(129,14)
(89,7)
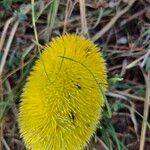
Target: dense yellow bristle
(61,102)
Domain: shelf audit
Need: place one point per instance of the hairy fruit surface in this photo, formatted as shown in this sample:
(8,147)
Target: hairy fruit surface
(61,102)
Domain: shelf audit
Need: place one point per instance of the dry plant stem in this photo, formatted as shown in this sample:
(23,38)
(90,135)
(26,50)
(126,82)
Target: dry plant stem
(8,22)
(66,16)
(112,21)
(99,19)
(10,39)
(134,63)
(5,144)
(34,26)
(42,10)
(115,95)
(6,50)
(69,8)
(146,111)
(134,97)
(83,17)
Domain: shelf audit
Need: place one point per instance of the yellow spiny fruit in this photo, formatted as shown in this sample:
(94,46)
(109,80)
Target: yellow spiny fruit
(61,103)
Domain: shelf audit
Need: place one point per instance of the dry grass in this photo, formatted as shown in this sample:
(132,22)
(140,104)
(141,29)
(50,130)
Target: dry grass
(120,28)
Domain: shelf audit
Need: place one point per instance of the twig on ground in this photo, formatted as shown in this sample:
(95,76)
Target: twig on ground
(134,63)
(115,95)
(138,98)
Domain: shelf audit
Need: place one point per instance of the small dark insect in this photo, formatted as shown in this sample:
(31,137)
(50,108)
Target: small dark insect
(72,115)
(78,86)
